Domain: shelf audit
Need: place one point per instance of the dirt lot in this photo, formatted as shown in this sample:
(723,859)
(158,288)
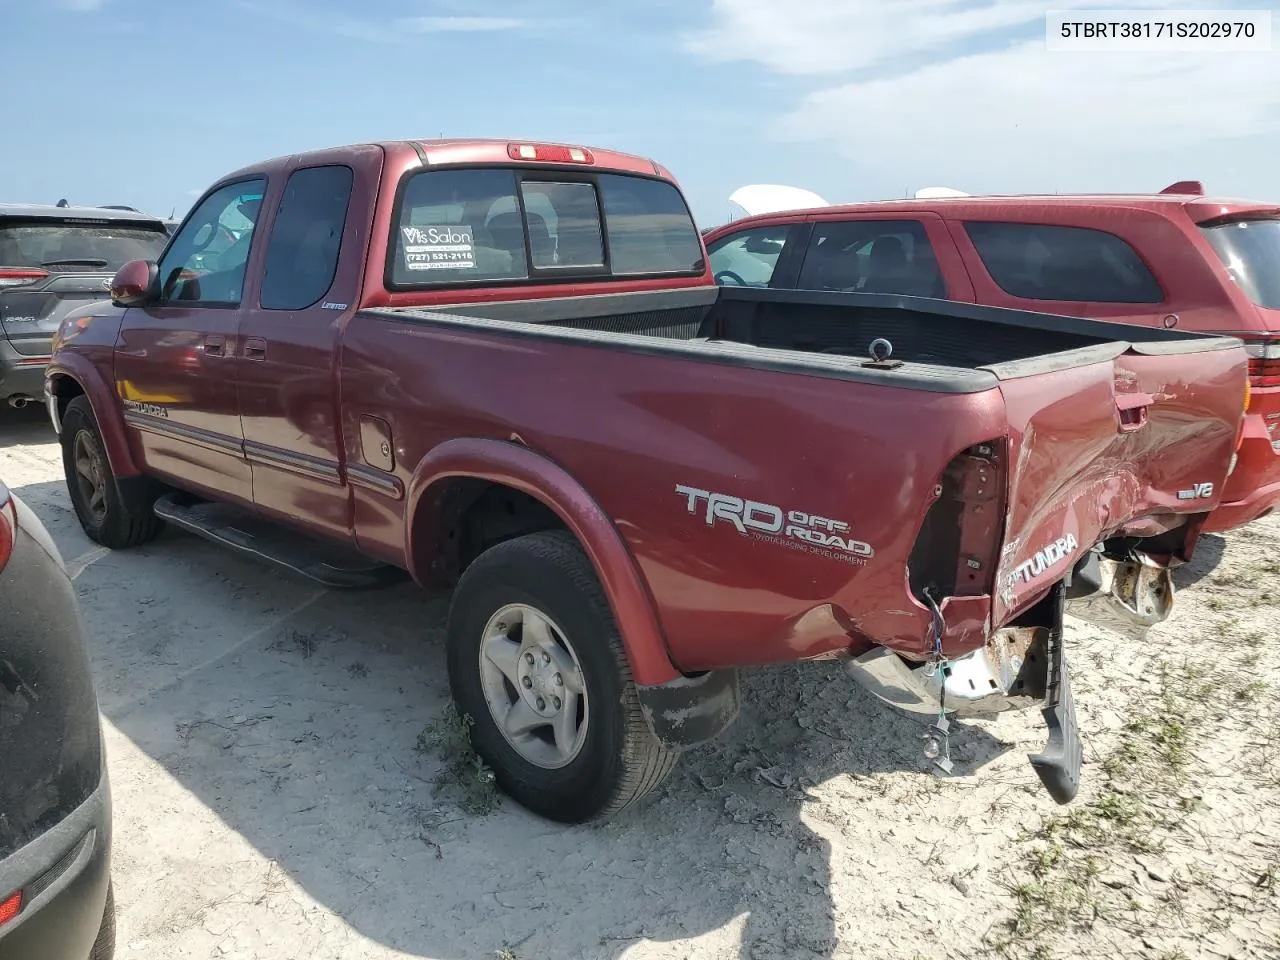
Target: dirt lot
(287,786)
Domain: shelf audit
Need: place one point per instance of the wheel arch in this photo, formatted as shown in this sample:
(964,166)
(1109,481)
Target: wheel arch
(72,377)
(528,474)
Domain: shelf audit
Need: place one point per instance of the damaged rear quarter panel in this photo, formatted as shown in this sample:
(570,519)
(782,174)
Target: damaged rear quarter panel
(1076,477)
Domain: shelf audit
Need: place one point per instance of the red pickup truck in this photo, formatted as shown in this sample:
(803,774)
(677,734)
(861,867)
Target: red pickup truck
(506,367)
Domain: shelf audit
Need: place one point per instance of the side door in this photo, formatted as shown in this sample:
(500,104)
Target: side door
(1064,268)
(174,363)
(286,371)
(903,253)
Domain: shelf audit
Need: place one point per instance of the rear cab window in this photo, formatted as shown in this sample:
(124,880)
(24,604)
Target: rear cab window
(1250,250)
(499,225)
(1035,261)
(62,245)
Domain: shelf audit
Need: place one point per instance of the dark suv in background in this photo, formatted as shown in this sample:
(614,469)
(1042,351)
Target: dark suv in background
(55,802)
(51,260)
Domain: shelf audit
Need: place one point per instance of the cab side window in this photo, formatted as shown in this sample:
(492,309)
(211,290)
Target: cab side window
(749,258)
(205,264)
(872,256)
(306,238)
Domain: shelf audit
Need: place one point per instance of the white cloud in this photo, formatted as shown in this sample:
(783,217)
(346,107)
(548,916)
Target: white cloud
(953,99)
(809,37)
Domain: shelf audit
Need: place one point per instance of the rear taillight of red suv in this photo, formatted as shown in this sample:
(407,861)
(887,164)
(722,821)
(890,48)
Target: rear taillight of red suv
(1264,363)
(8,525)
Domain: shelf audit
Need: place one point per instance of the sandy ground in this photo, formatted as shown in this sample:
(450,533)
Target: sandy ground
(270,801)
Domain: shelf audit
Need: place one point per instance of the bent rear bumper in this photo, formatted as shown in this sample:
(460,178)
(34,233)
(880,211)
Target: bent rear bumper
(63,875)
(998,677)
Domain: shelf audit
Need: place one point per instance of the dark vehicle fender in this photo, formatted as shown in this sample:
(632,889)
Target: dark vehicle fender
(71,374)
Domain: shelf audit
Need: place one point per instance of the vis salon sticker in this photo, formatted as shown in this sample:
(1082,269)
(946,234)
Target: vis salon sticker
(439,247)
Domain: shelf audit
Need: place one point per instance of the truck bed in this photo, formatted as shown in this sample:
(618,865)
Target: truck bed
(944,345)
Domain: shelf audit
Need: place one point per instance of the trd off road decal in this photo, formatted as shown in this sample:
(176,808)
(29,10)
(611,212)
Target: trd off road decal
(439,248)
(1040,563)
(768,523)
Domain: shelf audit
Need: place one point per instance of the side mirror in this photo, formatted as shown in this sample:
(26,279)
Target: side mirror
(134,284)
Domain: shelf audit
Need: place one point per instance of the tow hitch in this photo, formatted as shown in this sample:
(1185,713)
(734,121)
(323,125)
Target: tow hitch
(1129,595)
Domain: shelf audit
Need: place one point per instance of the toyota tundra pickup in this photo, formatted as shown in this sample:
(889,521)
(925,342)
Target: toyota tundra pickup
(506,368)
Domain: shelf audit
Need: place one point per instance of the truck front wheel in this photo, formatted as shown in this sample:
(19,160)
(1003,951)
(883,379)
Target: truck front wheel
(536,661)
(111,512)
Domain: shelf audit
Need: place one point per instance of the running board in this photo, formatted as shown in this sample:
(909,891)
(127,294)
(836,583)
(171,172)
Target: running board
(314,559)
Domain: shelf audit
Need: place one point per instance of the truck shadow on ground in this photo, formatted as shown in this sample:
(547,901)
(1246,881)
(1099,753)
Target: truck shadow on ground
(28,425)
(1210,549)
(294,715)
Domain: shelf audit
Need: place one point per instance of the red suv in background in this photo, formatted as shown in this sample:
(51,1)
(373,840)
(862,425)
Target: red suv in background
(1174,259)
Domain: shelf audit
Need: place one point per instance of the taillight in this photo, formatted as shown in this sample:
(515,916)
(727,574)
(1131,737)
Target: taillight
(1264,364)
(8,525)
(10,907)
(1265,373)
(19,276)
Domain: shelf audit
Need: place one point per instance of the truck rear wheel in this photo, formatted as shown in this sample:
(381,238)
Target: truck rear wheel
(536,661)
(111,513)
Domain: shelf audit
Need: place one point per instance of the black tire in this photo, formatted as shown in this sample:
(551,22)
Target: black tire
(104,948)
(620,761)
(126,517)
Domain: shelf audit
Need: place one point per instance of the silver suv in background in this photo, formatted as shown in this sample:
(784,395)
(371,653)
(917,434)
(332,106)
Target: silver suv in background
(52,259)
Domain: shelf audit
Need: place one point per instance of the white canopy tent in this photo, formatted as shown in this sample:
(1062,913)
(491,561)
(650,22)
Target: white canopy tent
(772,198)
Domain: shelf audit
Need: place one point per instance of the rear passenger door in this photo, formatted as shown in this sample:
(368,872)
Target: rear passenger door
(1060,267)
(885,253)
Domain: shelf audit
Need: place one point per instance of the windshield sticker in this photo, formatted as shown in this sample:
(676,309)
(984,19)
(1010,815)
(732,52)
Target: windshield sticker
(767,523)
(439,247)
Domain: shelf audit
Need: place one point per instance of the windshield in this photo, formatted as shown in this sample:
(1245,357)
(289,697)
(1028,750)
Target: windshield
(1250,250)
(477,225)
(61,246)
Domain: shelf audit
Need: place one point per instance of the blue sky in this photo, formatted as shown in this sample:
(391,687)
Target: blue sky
(145,102)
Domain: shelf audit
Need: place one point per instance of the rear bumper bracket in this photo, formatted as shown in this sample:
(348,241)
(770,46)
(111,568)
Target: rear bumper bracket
(1059,765)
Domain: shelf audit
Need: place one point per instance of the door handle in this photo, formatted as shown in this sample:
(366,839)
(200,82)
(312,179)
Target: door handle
(1133,409)
(255,348)
(214,345)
